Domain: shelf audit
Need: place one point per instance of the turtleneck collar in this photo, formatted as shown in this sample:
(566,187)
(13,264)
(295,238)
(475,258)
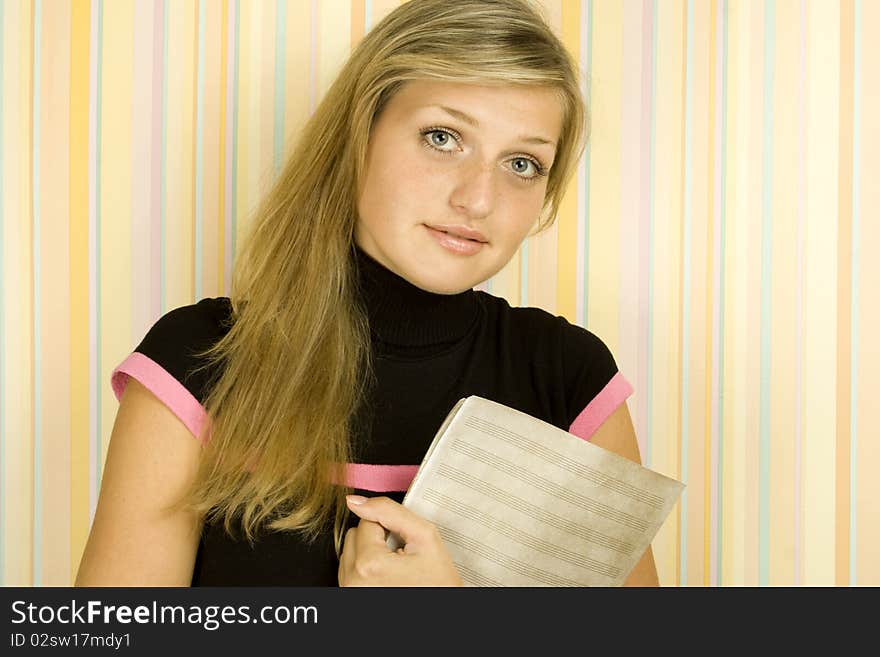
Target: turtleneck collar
(403,315)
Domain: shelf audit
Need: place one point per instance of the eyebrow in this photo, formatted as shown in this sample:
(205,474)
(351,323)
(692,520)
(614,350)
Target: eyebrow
(467,118)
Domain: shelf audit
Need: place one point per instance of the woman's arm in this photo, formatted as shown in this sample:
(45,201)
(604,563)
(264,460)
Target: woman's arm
(151,459)
(617,434)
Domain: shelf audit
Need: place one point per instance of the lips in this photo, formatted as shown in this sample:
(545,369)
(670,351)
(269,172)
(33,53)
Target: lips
(460,231)
(458,240)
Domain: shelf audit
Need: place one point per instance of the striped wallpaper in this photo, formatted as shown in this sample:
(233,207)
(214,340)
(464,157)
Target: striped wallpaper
(719,236)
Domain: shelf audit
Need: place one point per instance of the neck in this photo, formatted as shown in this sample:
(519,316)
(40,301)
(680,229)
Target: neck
(403,315)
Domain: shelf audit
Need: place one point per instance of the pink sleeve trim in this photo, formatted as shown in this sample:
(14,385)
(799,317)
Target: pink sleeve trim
(167,389)
(601,407)
(379,478)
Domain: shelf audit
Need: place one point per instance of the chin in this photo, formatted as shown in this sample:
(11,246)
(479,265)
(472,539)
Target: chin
(443,275)
(440,281)
(441,286)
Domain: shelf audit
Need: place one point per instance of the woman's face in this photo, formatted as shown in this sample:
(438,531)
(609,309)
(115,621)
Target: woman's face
(455,179)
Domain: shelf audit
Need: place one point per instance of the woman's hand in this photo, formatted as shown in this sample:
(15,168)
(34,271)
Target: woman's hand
(367,561)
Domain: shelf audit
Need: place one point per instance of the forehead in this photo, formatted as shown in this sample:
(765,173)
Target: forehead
(535,110)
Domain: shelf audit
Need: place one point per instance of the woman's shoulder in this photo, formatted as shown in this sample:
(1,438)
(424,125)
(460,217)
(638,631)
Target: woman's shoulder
(168,359)
(562,356)
(192,327)
(538,326)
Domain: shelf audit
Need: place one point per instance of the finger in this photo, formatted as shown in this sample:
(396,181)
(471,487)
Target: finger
(395,517)
(369,535)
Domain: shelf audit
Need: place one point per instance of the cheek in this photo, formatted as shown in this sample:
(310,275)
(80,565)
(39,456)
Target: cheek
(522,210)
(375,200)
(416,190)
(412,170)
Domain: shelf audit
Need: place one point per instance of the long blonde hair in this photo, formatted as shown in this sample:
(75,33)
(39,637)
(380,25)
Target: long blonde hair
(291,371)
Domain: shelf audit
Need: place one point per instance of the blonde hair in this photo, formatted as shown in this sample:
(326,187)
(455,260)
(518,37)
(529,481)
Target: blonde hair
(292,369)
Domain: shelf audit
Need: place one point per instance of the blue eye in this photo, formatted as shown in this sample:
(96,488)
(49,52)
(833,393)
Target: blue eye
(439,138)
(521,165)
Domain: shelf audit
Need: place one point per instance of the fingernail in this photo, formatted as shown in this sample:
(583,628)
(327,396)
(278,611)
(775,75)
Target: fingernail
(355,499)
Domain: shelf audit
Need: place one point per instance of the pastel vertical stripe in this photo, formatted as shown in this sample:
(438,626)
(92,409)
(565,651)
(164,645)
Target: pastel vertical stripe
(645,247)
(753,136)
(280,52)
(95,254)
(766,265)
(2,323)
(246,107)
(18,491)
(53,267)
(821,282)
(701,289)
(735,336)
(799,304)
(721,297)
(211,153)
(157,133)
(179,166)
(684,390)
(782,327)
(714,236)
(582,173)
(230,156)
(710,364)
(263,29)
(696,287)
(115,200)
(712,459)
(79,319)
(866,316)
(631,105)
(667,199)
(141,168)
(199,149)
(855,255)
(162,156)
(603,276)
(223,124)
(314,16)
(37,328)
(845,245)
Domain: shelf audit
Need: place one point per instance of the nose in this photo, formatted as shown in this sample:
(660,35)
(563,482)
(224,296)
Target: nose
(474,192)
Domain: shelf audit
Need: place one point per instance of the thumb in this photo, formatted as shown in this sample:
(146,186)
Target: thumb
(412,528)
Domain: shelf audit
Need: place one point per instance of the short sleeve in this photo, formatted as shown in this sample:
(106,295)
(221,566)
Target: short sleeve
(595,387)
(166,362)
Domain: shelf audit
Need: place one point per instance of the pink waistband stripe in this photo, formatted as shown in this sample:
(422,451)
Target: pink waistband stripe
(602,405)
(379,478)
(165,387)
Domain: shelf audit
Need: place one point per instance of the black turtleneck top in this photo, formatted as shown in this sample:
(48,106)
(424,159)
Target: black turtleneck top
(429,351)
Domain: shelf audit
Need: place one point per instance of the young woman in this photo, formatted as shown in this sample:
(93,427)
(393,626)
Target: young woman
(353,328)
